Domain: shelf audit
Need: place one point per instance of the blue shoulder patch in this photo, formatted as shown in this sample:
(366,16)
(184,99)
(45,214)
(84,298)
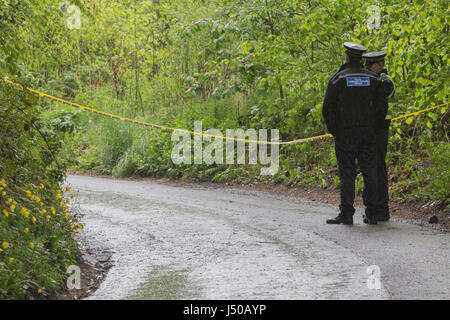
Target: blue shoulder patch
(358,81)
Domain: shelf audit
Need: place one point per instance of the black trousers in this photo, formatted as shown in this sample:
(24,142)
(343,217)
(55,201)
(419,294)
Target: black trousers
(353,144)
(382,137)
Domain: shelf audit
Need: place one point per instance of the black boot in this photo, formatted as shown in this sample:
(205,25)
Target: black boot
(370,219)
(341,219)
(383,217)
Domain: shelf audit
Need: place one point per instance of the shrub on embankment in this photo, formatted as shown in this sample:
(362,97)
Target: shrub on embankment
(36,229)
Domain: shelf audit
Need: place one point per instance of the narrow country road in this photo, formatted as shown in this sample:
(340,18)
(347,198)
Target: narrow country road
(175,242)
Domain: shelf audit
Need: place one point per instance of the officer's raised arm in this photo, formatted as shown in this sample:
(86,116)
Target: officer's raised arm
(375,62)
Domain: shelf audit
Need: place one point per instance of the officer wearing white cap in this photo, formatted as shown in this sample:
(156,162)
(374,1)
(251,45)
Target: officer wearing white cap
(375,62)
(351,112)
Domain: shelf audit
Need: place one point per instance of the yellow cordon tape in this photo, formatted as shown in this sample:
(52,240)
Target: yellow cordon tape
(155,126)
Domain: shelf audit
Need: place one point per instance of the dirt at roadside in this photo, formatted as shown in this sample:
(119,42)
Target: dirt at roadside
(94,267)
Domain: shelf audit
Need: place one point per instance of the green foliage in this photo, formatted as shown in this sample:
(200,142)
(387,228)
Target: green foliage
(427,179)
(114,141)
(126,167)
(36,243)
(439,186)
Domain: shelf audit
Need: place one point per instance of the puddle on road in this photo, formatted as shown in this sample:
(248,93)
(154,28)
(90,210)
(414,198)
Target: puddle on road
(163,284)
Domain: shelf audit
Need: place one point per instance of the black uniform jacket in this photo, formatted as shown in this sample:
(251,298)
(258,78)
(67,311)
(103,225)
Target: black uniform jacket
(353,99)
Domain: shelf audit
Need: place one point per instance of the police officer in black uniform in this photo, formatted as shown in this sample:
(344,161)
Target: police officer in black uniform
(375,62)
(351,112)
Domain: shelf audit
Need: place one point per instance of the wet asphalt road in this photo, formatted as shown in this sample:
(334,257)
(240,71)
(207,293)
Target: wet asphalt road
(175,242)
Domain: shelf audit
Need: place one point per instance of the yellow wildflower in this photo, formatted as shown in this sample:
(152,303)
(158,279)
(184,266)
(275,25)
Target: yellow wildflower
(39,291)
(31,244)
(68,189)
(3,183)
(47,218)
(43,211)
(61,204)
(41,186)
(11,260)
(10,200)
(5,212)
(12,208)
(1,250)
(3,193)
(5,244)
(28,192)
(52,209)
(33,220)
(27,230)
(41,203)
(26,214)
